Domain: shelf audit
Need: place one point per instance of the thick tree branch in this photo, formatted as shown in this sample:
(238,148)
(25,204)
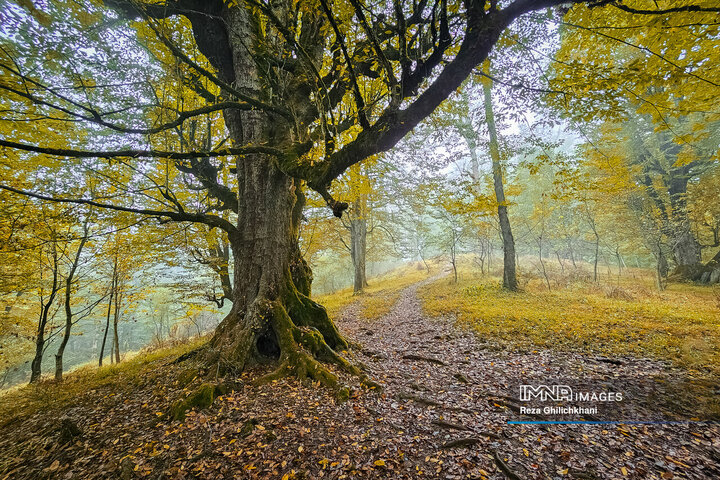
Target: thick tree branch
(138,153)
(210,220)
(206,174)
(662,11)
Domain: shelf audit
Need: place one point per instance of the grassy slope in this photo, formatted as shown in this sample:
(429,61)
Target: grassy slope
(627,317)
(49,396)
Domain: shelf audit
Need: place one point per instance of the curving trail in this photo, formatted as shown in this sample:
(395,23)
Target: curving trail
(452,394)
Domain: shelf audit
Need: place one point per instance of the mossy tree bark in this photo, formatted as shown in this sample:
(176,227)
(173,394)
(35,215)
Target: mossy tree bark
(272,316)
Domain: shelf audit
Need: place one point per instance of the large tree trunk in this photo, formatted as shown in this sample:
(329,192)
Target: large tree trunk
(686,249)
(686,253)
(272,316)
(509,275)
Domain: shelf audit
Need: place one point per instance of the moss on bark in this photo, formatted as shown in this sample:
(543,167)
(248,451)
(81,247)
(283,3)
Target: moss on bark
(201,398)
(187,376)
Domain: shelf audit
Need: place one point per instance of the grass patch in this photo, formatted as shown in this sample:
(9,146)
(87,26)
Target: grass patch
(48,395)
(377,299)
(681,324)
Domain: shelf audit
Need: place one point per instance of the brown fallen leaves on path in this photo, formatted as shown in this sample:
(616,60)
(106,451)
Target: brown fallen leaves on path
(440,418)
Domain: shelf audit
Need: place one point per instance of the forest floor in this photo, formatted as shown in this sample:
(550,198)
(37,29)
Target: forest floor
(443,412)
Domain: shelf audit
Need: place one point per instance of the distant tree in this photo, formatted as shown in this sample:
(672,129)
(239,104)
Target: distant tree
(70,281)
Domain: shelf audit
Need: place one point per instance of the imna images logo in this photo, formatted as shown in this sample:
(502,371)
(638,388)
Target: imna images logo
(555,393)
(558,393)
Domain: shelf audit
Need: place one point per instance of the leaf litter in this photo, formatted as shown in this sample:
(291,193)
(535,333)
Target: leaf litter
(442,413)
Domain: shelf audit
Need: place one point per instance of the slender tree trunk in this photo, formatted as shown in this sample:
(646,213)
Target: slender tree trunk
(422,258)
(509,274)
(109,311)
(597,254)
(453,258)
(619,260)
(36,364)
(489,255)
(358,243)
(68,309)
(660,268)
(116,319)
(562,265)
(542,262)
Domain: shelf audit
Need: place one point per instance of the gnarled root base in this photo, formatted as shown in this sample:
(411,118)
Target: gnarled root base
(292,330)
(304,348)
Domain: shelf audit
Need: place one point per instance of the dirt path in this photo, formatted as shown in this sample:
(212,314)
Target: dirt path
(442,414)
(444,385)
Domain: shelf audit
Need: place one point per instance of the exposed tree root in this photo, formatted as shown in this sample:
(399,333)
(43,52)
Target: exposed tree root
(286,327)
(505,468)
(304,347)
(201,398)
(417,398)
(450,425)
(188,355)
(461,442)
(460,377)
(498,401)
(412,356)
